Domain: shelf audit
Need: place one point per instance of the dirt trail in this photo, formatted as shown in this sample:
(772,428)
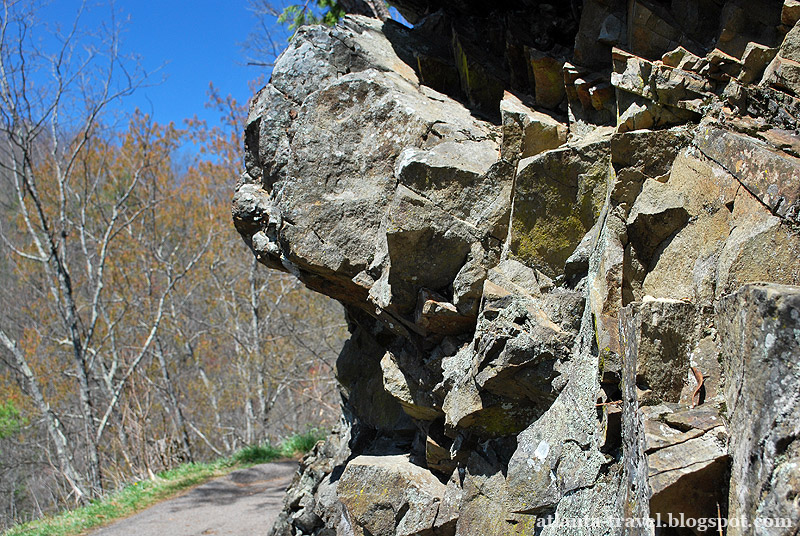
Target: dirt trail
(243,503)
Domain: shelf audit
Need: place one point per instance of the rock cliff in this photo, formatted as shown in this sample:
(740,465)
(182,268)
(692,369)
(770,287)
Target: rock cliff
(565,235)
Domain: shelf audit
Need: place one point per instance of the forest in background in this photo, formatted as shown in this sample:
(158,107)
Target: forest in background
(137,331)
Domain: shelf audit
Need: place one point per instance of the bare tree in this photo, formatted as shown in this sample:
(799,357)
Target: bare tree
(54,427)
(135,328)
(75,194)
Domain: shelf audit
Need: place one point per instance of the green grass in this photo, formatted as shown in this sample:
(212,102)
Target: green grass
(128,500)
(258,454)
(289,447)
(302,443)
(139,495)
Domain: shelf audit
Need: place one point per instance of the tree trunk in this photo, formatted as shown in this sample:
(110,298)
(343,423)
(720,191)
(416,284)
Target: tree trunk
(177,413)
(51,420)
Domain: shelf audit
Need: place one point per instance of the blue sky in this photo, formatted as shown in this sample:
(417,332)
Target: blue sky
(193,43)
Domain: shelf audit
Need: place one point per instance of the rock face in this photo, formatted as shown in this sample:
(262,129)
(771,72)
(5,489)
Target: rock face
(760,327)
(565,236)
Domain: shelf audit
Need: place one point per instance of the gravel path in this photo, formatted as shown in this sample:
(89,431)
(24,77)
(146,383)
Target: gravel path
(243,503)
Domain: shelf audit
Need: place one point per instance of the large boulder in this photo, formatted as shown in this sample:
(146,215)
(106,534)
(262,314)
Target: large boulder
(510,373)
(389,496)
(687,460)
(346,184)
(784,71)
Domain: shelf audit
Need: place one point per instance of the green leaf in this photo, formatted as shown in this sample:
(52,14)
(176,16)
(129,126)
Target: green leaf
(295,16)
(10,420)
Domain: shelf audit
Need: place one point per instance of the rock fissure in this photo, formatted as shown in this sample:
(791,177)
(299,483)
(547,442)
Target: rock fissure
(741,184)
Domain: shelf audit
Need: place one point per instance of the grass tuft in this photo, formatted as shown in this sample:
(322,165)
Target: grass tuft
(258,454)
(302,443)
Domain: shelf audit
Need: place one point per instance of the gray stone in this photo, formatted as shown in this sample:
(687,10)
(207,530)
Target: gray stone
(686,477)
(328,188)
(527,132)
(509,373)
(755,60)
(558,198)
(601,27)
(760,247)
(705,359)
(652,94)
(790,13)
(516,278)
(760,332)
(546,71)
(650,152)
(702,418)
(784,71)
(650,35)
(408,390)
(468,283)
(435,315)
(551,460)
(577,265)
(483,509)
(740,24)
(772,176)
(388,495)
(636,488)
(453,176)
(359,373)
(605,289)
(682,59)
(667,336)
(600,502)
(659,435)
(721,64)
(708,192)
(658,212)
(421,239)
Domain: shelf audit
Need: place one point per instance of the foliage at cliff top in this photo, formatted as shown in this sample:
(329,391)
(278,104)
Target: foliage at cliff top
(296,15)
